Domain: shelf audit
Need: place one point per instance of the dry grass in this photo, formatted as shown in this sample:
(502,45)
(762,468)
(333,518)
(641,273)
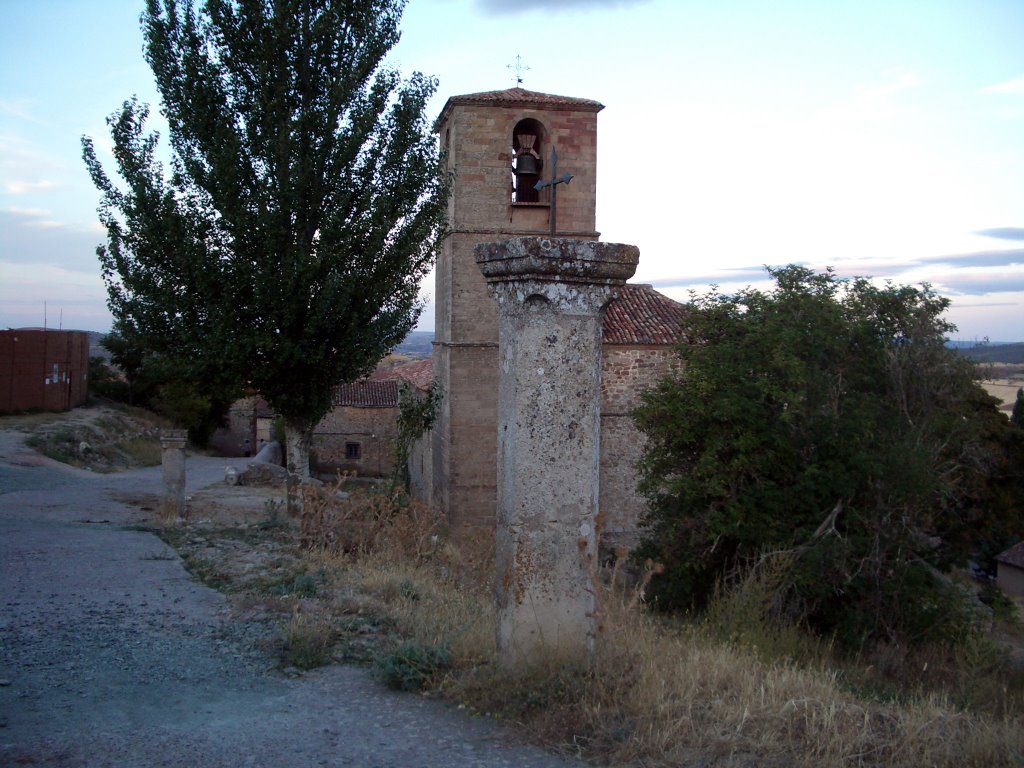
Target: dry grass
(309,640)
(366,521)
(683,691)
(731,690)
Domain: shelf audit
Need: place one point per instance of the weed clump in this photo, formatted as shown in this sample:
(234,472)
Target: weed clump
(412,666)
(309,639)
(368,521)
(304,585)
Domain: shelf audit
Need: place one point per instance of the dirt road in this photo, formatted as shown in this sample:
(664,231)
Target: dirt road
(110,655)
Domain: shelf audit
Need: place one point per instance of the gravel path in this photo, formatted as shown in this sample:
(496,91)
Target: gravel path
(110,655)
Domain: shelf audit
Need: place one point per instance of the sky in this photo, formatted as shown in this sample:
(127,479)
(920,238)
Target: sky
(883,139)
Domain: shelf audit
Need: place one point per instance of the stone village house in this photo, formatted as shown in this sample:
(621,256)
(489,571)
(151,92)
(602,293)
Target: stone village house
(358,433)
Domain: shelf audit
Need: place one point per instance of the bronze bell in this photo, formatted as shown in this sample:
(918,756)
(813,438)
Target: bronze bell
(526,165)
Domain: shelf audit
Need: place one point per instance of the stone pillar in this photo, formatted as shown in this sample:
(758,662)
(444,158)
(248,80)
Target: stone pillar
(172,443)
(551,294)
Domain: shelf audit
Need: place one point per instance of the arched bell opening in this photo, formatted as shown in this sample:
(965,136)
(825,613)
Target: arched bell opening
(528,140)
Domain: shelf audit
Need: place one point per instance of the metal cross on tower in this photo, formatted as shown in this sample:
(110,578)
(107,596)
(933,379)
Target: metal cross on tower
(518,68)
(553,183)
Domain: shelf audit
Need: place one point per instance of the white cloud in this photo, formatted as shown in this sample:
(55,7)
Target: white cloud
(48,279)
(36,217)
(18,110)
(26,187)
(30,212)
(895,82)
(1010,86)
(19,156)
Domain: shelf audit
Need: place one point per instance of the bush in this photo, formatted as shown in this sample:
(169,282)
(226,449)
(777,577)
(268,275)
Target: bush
(410,666)
(827,420)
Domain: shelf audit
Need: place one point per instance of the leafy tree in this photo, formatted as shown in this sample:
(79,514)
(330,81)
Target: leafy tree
(826,420)
(104,381)
(128,354)
(1017,416)
(162,382)
(303,205)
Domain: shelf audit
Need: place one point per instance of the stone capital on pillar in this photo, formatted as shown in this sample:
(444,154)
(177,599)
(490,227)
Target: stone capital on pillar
(550,296)
(576,276)
(173,438)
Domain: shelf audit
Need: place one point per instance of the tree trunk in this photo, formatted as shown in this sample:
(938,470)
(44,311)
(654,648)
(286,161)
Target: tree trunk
(298,439)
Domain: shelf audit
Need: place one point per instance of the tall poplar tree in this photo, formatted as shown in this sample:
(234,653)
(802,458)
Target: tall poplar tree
(304,202)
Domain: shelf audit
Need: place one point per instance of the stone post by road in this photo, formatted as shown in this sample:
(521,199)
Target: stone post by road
(172,444)
(551,294)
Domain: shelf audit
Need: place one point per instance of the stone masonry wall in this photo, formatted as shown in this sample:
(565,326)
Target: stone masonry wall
(473,442)
(626,371)
(421,479)
(242,423)
(440,453)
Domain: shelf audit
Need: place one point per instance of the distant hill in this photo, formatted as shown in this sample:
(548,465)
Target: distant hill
(417,344)
(95,350)
(994,353)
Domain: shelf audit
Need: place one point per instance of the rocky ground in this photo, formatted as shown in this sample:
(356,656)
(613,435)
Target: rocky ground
(113,654)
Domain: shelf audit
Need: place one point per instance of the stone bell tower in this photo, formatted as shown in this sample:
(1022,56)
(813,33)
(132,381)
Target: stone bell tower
(498,145)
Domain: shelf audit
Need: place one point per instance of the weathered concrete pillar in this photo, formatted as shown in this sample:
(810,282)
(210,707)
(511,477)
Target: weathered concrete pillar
(172,443)
(550,294)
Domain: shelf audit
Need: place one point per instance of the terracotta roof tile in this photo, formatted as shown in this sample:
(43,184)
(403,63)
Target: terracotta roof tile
(419,373)
(520,97)
(368,394)
(641,315)
(1013,556)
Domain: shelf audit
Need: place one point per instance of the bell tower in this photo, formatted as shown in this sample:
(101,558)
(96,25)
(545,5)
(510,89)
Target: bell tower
(497,145)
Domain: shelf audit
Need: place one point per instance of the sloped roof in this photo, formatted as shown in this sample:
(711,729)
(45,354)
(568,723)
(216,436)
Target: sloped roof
(1013,556)
(368,394)
(419,373)
(520,97)
(641,315)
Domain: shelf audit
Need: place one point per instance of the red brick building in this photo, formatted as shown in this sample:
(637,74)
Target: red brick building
(43,369)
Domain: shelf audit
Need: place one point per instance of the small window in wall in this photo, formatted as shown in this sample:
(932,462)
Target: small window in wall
(353,451)
(527,150)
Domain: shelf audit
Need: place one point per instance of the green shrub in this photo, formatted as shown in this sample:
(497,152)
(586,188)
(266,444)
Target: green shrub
(826,419)
(411,666)
(304,586)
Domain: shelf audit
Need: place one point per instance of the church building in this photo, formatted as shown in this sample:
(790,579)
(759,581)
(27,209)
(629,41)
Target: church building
(498,145)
